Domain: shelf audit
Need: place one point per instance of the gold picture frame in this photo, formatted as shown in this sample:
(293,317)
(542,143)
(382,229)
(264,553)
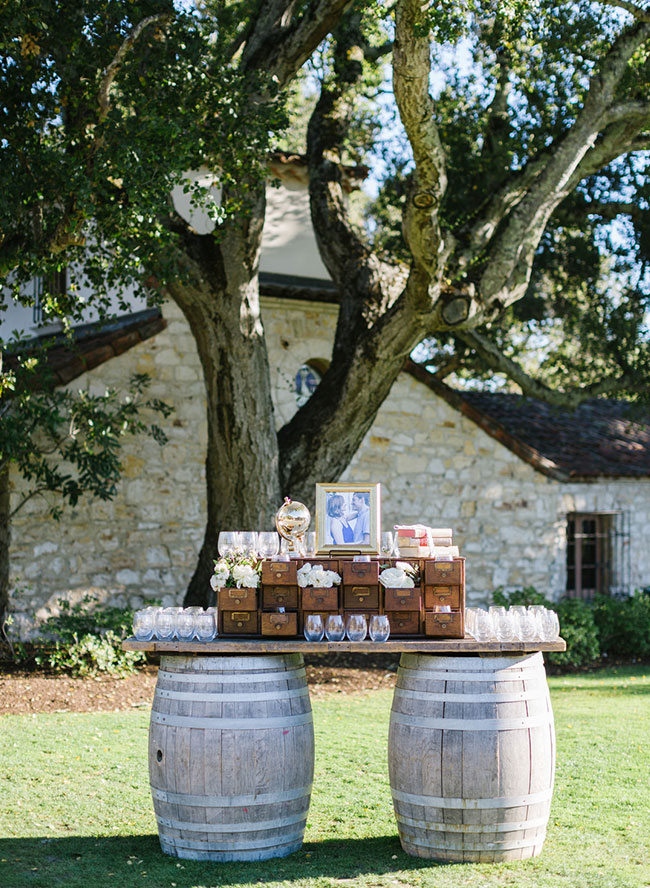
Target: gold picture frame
(348,518)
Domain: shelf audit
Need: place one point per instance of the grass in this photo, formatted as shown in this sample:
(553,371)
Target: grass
(75,809)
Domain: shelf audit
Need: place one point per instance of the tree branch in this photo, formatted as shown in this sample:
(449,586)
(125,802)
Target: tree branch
(626,110)
(280,44)
(411,72)
(110,73)
(508,270)
(534,388)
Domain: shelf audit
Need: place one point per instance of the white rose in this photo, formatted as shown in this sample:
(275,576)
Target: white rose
(319,577)
(220,575)
(245,576)
(303,576)
(395,578)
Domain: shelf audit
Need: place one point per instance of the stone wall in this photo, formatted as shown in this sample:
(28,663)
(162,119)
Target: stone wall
(434,465)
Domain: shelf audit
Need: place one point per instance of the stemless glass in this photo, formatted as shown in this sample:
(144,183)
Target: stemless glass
(309,545)
(227,542)
(314,628)
(356,627)
(165,623)
(379,627)
(268,543)
(483,625)
(144,624)
(185,625)
(470,621)
(335,628)
(387,543)
(550,626)
(205,626)
(527,626)
(505,626)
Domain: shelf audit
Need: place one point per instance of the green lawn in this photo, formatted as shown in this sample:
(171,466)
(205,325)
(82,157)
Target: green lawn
(75,809)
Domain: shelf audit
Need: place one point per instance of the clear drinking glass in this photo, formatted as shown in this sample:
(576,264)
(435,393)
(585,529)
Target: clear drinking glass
(185,624)
(314,628)
(335,628)
(484,625)
(505,626)
(356,627)
(387,543)
(227,542)
(550,626)
(470,621)
(527,626)
(164,623)
(268,543)
(144,624)
(309,545)
(205,626)
(379,628)
(248,543)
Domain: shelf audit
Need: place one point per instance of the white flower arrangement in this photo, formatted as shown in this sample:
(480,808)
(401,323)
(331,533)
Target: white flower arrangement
(399,577)
(317,576)
(242,574)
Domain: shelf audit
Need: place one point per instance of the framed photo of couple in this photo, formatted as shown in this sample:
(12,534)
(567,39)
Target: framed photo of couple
(348,517)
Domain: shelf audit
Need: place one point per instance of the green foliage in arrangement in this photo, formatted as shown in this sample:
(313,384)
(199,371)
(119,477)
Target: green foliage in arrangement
(86,640)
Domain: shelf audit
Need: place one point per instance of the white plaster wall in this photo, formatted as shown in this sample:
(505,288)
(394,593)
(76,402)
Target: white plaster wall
(434,465)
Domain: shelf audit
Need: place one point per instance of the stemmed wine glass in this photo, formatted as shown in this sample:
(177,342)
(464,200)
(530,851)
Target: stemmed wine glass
(268,543)
(248,543)
(228,543)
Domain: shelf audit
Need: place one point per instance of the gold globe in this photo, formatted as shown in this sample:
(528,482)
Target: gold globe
(292,521)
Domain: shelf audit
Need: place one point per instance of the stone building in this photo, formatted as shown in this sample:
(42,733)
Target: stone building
(536,497)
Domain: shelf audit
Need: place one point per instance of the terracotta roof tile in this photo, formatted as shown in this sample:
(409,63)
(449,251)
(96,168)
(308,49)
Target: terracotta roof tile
(599,438)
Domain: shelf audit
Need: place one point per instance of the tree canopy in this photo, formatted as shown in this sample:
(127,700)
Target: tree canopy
(514,209)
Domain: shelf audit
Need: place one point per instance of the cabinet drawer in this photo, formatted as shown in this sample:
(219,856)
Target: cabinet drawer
(444,573)
(279,624)
(404,622)
(280,596)
(360,573)
(315,599)
(238,622)
(360,597)
(402,599)
(442,596)
(280,573)
(444,625)
(237,599)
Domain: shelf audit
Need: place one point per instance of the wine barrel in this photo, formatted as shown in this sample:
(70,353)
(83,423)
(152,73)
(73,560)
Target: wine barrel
(471,756)
(231,756)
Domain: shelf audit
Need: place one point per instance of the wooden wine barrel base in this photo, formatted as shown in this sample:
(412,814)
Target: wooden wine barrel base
(471,755)
(231,756)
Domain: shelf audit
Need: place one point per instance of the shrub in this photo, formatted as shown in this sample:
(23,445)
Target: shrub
(624,624)
(87,640)
(577,625)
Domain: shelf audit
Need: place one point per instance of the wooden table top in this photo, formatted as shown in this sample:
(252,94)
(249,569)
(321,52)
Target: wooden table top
(465,645)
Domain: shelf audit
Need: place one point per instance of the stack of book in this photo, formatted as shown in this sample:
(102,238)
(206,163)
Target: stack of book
(421,541)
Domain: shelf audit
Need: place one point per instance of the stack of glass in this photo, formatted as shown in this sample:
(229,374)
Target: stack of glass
(181,623)
(518,623)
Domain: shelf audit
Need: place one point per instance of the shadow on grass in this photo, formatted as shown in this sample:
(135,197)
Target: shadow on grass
(113,862)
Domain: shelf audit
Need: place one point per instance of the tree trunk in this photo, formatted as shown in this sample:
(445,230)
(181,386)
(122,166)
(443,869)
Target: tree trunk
(4,545)
(222,307)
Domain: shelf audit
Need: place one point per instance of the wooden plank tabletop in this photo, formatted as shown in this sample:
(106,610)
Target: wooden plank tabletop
(466,645)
